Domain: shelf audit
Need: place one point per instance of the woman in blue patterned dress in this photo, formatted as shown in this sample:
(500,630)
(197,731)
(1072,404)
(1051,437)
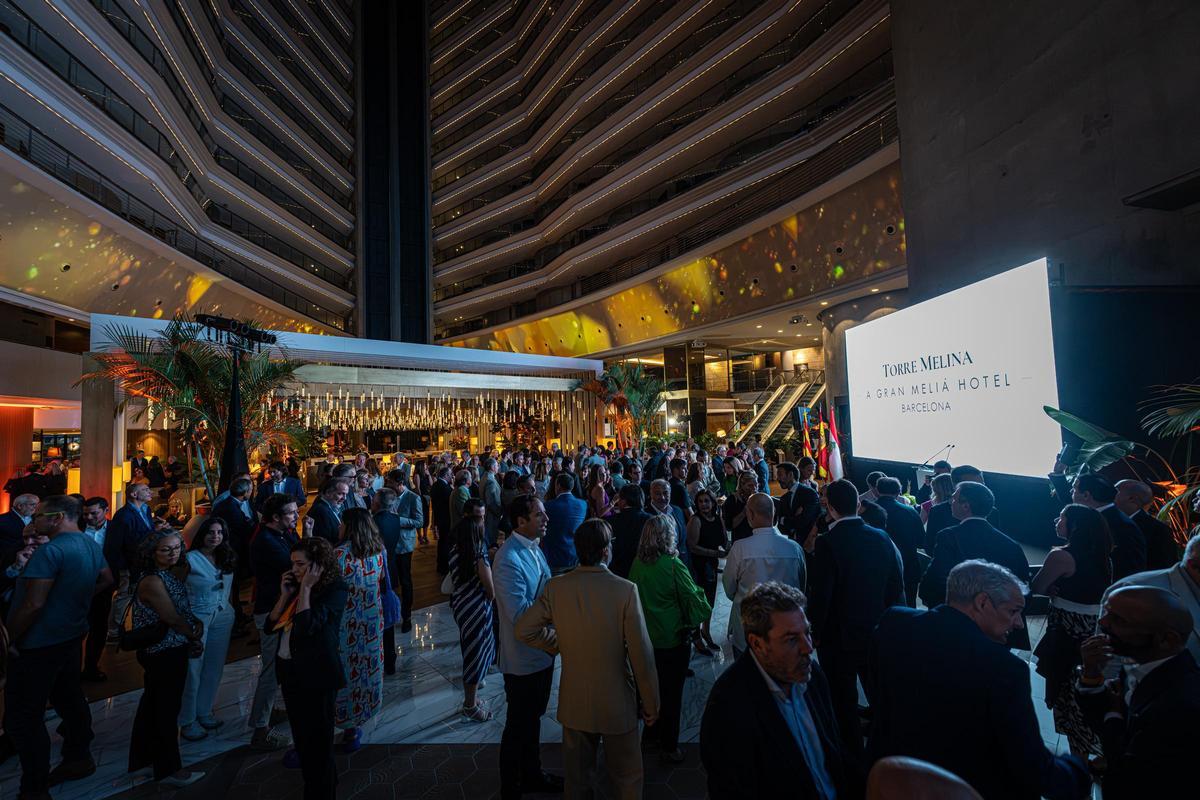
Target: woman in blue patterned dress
(360,563)
(471,605)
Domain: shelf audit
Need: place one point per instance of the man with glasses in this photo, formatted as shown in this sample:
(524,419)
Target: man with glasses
(13,523)
(48,621)
(129,526)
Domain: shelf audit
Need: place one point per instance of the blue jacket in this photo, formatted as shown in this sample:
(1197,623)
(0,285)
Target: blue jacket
(126,530)
(291,487)
(566,513)
(519,573)
(676,513)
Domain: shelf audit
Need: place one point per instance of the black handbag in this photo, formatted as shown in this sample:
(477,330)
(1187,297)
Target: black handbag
(130,638)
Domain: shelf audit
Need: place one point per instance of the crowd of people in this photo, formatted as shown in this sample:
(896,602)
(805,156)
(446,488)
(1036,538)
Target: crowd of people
(608,562)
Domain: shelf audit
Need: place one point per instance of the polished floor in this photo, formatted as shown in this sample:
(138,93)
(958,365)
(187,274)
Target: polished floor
(421,703)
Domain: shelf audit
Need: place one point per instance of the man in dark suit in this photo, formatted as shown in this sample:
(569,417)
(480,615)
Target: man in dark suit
(627,526)
(1146,716)
(768,728)
(279,482)
(13,523)
(905,528)
(1133,497)
(799,506)
(945,689)
(439,507)
(1129,546)
(242,520)
(973,537)
(679,493)
(128,527)
(855,573)
(31,482)
(326,511)
(139,461)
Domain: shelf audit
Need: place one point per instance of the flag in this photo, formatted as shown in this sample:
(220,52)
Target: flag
(835,452)
(822,450)
(807,441)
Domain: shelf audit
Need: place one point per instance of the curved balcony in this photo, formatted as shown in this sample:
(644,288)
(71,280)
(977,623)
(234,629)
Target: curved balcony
(582,167)
(689,221)
(851,44)
(271,189)
(20,137)
(58,60)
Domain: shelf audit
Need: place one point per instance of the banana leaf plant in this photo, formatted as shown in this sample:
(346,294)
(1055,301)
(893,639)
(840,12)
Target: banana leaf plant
(185,380)
(1101,448)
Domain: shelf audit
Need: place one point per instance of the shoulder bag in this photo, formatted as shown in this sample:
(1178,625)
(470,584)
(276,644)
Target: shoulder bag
(139,638)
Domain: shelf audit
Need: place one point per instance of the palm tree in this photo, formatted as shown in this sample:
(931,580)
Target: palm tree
(635,394)
(185,378)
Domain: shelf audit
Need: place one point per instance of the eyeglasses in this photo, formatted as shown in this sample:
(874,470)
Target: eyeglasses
(165,550)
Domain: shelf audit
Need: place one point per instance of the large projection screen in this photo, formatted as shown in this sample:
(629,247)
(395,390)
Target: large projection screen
(971,368)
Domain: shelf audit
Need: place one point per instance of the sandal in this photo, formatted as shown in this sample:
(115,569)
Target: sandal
(478,713)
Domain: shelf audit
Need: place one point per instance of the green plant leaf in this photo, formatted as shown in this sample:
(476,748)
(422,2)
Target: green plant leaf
(1085,430)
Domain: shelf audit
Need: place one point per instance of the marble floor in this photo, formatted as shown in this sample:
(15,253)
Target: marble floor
(421,702)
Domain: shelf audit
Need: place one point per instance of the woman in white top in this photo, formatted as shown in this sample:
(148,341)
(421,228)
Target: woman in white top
(211,565)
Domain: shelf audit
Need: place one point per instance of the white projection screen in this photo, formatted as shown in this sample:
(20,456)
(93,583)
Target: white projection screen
(971,368)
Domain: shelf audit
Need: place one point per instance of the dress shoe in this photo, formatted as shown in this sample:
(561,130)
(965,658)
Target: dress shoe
(179,782)
(193,732)
(405,625)
(71,771)
(92,676)
(210,723)
(545,784)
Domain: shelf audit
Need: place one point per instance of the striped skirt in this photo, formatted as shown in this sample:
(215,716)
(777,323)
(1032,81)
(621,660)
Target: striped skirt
(473,614)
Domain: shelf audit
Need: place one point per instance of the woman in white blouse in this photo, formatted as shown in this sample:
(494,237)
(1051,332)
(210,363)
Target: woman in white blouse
(211,565)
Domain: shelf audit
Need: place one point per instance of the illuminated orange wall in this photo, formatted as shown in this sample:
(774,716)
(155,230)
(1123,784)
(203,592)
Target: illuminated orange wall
(790,260)
(16,437)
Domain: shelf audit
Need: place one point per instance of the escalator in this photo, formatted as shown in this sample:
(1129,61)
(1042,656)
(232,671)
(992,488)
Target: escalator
(803,388)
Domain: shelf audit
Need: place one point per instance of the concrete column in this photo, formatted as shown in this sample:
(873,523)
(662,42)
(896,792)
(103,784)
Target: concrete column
(102,437)
(836,320)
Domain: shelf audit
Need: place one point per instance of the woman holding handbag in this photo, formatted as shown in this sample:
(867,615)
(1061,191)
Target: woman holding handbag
(308,616)
(165,634)
(674,606)
(360,563)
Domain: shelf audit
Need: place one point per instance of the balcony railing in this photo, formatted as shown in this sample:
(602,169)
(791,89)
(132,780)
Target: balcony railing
(58,59)
(35,147)
(790,184)
(125,26)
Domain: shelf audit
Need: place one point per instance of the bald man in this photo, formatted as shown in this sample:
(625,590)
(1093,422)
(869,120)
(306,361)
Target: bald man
(1182,580)
(764,555)
(1147,716)
(1133,497)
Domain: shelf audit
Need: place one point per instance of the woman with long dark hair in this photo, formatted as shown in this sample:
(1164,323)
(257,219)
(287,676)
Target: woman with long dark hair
(161,597)
(707,542)
(471,604)
(360,563)
(308,615)
(211,566)
(1075,577)
(599,499)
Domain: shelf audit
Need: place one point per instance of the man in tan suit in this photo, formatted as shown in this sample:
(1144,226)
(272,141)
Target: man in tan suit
(607,661)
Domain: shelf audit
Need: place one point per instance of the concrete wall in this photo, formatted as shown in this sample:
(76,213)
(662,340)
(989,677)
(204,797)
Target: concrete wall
(1024,124)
